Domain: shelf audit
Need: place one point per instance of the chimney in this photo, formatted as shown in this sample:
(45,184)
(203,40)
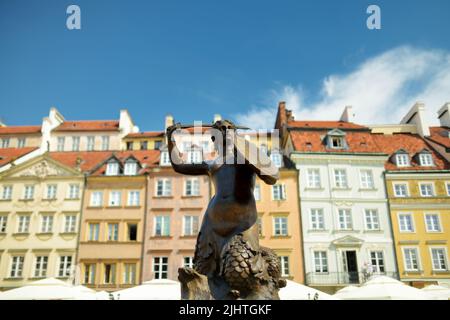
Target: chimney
(444,115)
(217,117)
(347,115)
(169,121)
(281,118)
(416,115)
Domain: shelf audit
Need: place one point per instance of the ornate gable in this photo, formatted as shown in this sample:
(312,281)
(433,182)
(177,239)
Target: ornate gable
(40,168)
(348,241)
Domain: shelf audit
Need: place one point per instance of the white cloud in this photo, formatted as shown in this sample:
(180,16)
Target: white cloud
(381,90)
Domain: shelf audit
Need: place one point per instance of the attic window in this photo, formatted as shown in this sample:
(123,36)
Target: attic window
(402,160)
(130,167)
(309,145)
(337,142)
(425,159)
(112,168)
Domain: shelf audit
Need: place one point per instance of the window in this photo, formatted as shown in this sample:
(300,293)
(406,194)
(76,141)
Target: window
(144,145)
(96,199)
(320,262)
(432,222)
(24,224)
(314,178)
(260,226)
(192,187)
(7,193)
(46,223)
(426,160)
(94,229)
(280,226)
(367,179)
(65,265)
(114,198)
(426,189)
(157,145)
(284,262)
(317,219)
(89,273)
(70,223)
(278,192)
(129,145)
(345,219)
(160,267)
(113,231)
(29,192)
(372,219)
(112,168)
(3,223)
(132,231)
(188,262)
(109,276)
(75,143)
(162,226)
(133,198)
(163,187)
(90,143)
(105,143)
(21,142)
(277,159)
(40,266)
(438,256)
(402,160)
(411,261)
(165,159)
(5,143)
(194,156)
(51,191)
(405,222)
(74,191)
(377,261)
(340,178)
(190,225)
(16,266)
(337,142)
(60,145)
(400,190)
(131,168)
(129,273)
(257,192)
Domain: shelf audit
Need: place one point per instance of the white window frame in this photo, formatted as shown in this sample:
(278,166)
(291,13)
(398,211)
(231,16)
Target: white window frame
(195,156)
(7,192)
(23,225)
(426,184)
(323,268)
(340,144)
(129,273)
(277,158)
(73,191)
(27,194)
(70,223)
(315,223)
(51,191)
(166,187)
(16,266)
(134,198)
(93,233)
(113,231)
(47,221)
(439,224)
(194,187)
(90,270)
(21,142)
(376,267)
(190,222)
(366,181)
(3,223)
(105,143)
(96,199)
(284,265)
(115,198)
(257,192)
(313,178)
(112,168)
(433,266)
(394,184)
(339,177)
(282,222)
(426,160)
(90,143)
(40,266)
(188,262)
(160,263)
(410,215)
(60,143)
(279,192)
(369,213)
(405,264)
(131,168)
(402,160)
(112,273)
(75,143)
(164,221)
(65,266)
(164,158)
(348,220)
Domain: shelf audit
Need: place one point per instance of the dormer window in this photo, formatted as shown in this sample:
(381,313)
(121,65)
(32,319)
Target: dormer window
(130,167)
(425,159)
(336,139)
(402,160)
(112,168)
(164,160)
(276,158)
(195,156)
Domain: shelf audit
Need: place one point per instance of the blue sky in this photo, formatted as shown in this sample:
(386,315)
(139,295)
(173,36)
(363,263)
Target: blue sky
(237,58)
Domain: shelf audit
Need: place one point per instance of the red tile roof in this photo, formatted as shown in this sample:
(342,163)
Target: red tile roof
(20,130)
(314,141)
(325,125)
(8,155)
(412,144)
(94,162)
(148,134)
(95,125)
(440,135)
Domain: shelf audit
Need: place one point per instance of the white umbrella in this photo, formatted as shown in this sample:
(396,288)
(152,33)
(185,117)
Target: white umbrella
(47,289)
(297,291)
(102,295)
(345,289)
(439,292)
(384,288)
(158,289)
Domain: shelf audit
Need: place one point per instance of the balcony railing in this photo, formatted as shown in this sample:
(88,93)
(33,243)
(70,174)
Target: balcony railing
(343,278)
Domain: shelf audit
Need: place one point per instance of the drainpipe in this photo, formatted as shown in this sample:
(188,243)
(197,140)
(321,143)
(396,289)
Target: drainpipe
(141,271)
(80,221)
(390,225)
